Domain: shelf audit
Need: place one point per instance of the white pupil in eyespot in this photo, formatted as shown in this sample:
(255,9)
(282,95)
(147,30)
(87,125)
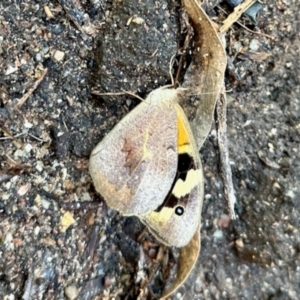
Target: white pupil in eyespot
(179,211)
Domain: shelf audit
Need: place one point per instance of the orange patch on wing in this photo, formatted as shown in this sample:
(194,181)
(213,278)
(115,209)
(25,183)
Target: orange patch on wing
(183,138)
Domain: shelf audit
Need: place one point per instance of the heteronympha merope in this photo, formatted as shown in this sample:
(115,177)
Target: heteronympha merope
(148,165)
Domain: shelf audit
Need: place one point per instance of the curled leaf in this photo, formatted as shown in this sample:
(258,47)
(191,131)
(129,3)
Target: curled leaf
(187,260)
(205,76)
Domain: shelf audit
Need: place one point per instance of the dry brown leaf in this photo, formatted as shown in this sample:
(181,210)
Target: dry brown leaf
(187,260)
(205,76)
(256,56)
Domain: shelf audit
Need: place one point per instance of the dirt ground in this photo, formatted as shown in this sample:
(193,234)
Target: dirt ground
(58,239)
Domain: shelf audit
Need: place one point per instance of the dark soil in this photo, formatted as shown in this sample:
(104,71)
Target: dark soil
(45,147)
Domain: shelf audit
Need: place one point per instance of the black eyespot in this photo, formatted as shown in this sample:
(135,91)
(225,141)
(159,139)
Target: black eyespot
(179,210)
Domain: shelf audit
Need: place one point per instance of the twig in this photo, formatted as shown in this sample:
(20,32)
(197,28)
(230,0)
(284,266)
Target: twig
(189,34)
(31,90)
(118,94)
(73,13)
(38,139)
(235,15)
(224,156)
(273,38)
(77,17)
(252,31)
(8,133)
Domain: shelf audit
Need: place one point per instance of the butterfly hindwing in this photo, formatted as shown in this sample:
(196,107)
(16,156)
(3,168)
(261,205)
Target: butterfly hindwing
(176,220)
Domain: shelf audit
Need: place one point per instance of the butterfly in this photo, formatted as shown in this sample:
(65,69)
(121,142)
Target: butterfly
(148,166)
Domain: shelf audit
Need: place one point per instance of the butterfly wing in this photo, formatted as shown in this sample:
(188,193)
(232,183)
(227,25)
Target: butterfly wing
(134,166)
(176,220)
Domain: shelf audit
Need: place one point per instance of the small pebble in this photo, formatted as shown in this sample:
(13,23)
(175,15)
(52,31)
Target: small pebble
(38,57)
(37,200)
(198,286)
(28,125)
(10,69)
(237,46)
(8,237)
(39,165)
(218,234)
(36,230)
(254,45)
(128,102)
(28,148)
(71,292)
(208,196)
(58,55)
(45,204)
(224,221)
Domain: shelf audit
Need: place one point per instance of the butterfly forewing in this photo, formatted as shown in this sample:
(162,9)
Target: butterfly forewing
(134,166)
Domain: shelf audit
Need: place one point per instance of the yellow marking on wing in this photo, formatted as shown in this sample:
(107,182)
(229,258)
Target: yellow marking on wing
(187,148)
(183,188)
(183,137)
(146,152)
(161,217)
